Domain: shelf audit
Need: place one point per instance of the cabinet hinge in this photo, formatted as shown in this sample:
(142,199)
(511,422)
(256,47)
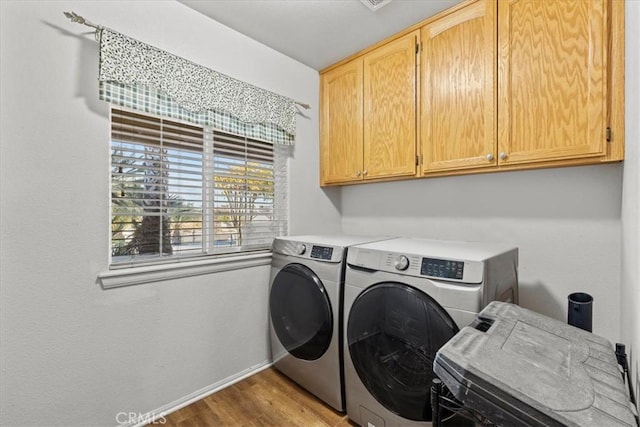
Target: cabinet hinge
(417,48)
(418,160)
(608,133)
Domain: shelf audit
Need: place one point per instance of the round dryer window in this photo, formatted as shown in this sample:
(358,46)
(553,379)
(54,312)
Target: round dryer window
(301,312)
(393,333)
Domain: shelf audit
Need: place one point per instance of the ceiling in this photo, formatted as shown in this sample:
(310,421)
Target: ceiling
(317,33)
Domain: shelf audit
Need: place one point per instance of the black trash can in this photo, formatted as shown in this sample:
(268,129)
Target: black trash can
(580,311)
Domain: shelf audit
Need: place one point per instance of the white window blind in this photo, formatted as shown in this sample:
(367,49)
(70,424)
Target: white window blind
(180,190)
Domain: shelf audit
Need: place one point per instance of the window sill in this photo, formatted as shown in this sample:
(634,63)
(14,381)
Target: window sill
(155,273)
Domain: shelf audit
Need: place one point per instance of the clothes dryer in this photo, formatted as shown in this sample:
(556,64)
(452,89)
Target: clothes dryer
(404,299)
(305,311)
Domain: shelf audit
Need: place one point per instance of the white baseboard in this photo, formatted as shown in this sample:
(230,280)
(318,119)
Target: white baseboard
(158,415)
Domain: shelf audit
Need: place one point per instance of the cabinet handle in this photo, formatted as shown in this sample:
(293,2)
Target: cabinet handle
(503,155)
(489,157)
(357,173)
(364,173)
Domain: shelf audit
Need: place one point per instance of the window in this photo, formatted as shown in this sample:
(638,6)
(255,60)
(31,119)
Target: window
(181,191)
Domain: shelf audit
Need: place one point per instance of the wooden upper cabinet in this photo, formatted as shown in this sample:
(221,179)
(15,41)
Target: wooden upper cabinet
(390,109)
(341,128)
(552,79)
(498,85)
(458,115)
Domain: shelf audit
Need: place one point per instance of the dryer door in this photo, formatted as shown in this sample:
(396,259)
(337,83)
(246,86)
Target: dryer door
(393,333)
(301,312)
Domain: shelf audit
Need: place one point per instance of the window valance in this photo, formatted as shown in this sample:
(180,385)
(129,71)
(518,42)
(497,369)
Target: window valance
(127,64)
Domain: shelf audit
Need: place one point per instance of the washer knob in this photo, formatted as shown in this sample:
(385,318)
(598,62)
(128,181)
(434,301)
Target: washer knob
(402,263)
(301,248)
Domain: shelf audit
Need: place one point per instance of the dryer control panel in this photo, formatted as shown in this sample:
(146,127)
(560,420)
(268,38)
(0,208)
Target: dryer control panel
(321,252)
(308,250)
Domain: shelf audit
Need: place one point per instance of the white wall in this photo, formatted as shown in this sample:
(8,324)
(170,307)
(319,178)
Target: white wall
(630,281)
(565,222)
(72,353)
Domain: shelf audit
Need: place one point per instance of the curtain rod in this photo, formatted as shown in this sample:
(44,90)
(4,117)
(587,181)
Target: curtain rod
(74,17)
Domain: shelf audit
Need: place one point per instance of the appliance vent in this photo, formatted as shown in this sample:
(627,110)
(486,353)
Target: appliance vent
(374,5)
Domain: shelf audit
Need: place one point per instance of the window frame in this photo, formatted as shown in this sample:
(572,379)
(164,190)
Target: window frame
(161,267)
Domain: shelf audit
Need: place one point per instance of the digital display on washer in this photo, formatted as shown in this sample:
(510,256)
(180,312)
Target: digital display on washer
(321,252)
(442,268)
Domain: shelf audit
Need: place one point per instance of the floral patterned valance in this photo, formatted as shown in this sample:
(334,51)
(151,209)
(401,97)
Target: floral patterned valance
(193,87)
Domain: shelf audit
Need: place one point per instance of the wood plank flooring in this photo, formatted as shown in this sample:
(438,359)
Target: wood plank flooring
(267,398)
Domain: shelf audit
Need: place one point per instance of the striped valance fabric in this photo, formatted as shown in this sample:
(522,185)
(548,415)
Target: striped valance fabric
(150,100)
(136,75)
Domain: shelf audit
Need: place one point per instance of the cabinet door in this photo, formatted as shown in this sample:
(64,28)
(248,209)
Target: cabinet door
(390,109)
(552,79)
(458,116)
(341,128)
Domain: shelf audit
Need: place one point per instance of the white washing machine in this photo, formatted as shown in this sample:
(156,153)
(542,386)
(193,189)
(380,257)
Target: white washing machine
(305,311)
(404,299)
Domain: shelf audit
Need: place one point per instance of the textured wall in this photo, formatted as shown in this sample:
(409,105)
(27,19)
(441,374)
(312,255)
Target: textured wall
(565,222)
(630,280)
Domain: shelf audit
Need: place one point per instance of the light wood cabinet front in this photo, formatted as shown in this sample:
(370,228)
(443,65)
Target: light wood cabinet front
(458,116)
(342,128)
(390,109)
(552,79)
(498,85)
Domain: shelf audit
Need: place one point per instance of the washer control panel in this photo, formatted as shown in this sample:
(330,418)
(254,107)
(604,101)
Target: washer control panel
(321,252)
(402,263)
(442,268)
(419,266)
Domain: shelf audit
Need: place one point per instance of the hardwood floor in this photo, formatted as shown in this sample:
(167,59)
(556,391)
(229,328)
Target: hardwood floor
(267,398)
